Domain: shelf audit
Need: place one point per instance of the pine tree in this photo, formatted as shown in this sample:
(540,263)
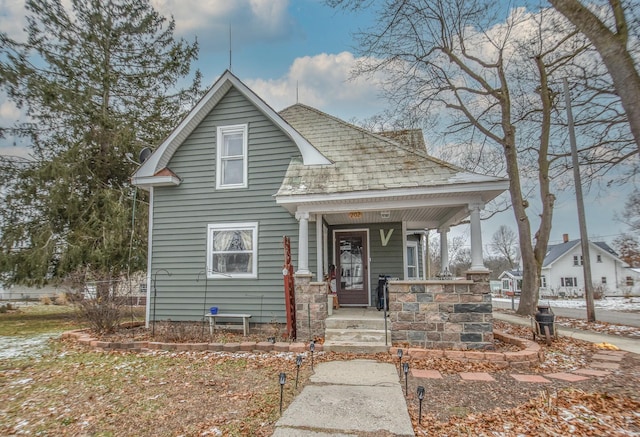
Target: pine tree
(98,82)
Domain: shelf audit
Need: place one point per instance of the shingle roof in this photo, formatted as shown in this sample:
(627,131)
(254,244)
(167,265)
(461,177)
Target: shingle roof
(362,160)
(557,250)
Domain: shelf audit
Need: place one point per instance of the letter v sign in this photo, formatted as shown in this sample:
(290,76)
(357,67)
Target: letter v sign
(384,239)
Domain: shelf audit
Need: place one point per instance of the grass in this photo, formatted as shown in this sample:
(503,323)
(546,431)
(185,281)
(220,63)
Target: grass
(42,319)
(72,391)
(39,319)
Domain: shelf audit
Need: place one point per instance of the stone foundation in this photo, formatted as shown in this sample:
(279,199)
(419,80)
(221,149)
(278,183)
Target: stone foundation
(453,314)
(311,307)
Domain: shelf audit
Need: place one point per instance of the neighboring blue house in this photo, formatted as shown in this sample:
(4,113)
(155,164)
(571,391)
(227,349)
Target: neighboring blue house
(235,176)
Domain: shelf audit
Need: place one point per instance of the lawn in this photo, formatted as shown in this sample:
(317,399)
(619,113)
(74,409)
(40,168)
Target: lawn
(71,390)
(38,319)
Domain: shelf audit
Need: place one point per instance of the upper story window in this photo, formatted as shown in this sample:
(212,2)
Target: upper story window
(599,258)
(232,250)
(543,281)
(231,159)
(577,260)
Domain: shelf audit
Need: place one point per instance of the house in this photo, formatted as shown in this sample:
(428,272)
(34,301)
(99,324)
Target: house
(511,282)
(562,270)
(235,176)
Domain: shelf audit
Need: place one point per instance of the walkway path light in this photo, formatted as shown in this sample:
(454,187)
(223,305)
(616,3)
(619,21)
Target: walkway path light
(399,361)
(312,347)
(420,398)
(298,364)
(283,379)
(405,368)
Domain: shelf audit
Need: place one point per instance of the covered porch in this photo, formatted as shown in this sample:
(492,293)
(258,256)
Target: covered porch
(363,236)
(366,237)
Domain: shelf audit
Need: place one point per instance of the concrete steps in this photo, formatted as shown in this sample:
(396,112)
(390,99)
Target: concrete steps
(359,331)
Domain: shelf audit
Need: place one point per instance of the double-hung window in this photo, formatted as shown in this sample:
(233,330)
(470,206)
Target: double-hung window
(232,250)
(231,159)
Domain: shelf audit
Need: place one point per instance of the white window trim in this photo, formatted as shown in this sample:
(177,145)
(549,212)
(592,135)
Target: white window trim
(221,131)
(414,245)
(253,226)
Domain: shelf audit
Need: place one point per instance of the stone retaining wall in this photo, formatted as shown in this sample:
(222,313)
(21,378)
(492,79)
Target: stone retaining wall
(454,314)
(530,355)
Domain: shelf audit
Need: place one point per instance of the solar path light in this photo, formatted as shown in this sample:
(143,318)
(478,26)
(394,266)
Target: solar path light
(400,361)
(298,364)
(283,379)
(405,368)
(312,347)
(420,398)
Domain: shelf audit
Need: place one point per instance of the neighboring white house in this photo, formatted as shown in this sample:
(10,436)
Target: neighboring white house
(562,271)
(511,282)
(20,292)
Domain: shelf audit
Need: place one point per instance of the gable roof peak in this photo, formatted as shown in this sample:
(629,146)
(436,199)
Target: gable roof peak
(160,158)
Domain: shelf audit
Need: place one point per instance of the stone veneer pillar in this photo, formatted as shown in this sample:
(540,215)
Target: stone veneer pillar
(454,314)
(311,307)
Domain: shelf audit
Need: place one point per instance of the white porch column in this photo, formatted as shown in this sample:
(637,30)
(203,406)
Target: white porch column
(444,250)
(319,247)
(425,253)
(303,243)
(477,262)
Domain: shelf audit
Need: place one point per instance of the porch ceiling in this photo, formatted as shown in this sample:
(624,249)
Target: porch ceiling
(425,210)
(416,218)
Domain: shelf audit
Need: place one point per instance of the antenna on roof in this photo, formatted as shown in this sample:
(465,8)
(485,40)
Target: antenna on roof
(229,47)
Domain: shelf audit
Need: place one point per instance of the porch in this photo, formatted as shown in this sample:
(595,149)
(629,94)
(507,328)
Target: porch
(446,314)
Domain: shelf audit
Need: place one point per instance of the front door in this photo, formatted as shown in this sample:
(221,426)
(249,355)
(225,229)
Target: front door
(352,260)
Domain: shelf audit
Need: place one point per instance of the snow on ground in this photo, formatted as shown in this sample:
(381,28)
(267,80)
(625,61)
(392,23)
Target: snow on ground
(609,303)
(33,346)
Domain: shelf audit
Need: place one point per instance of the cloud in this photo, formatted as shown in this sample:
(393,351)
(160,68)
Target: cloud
(12,18)
(323,81)
(250,21)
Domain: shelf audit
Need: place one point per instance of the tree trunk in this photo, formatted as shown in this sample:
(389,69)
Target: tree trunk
(613,50)
(529,293)
(547,198)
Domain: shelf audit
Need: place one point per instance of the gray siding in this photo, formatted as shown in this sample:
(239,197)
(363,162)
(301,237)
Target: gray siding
(181,215)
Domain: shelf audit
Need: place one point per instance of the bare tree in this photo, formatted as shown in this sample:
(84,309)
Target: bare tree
(495,79)
(448,56)
(505,243)
(610,36)
(630,215)
(628,247)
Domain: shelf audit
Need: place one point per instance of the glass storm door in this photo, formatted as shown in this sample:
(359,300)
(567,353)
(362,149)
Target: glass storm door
(352,277)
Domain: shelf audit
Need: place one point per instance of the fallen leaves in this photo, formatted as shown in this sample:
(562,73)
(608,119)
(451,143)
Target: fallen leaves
(566,412)
(606,346)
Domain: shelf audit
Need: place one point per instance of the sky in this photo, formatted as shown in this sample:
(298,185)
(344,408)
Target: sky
(303,50)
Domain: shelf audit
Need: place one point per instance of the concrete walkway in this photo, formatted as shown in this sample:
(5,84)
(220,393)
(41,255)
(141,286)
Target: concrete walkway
(624,343)
(347,398)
